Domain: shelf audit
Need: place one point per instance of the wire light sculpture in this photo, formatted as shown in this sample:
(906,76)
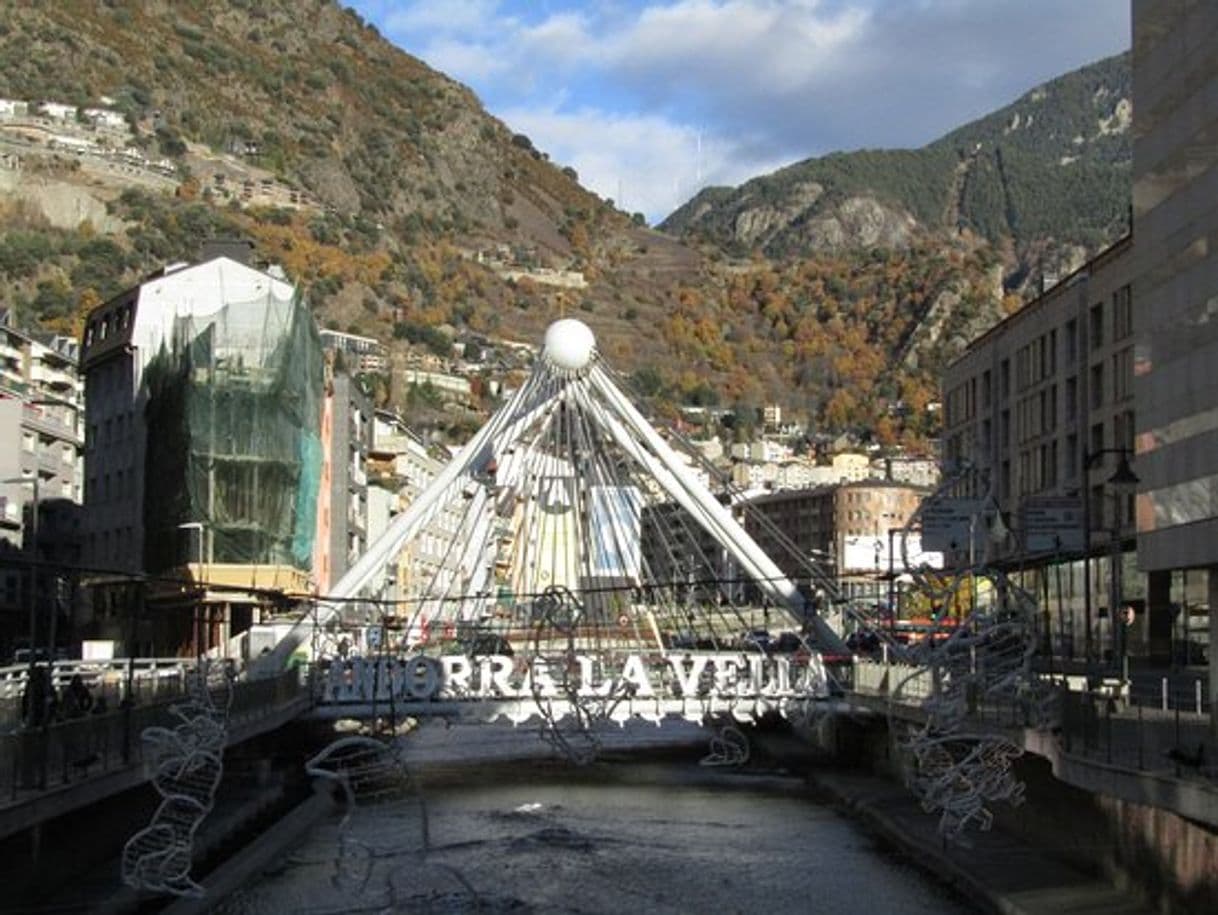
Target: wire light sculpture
(961,671)
(186,763)
(364,771)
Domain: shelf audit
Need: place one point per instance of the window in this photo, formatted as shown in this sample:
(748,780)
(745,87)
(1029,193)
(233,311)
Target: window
(1097,437)
(1122,374)
(1123,431)
(1071,398)
(1004,379)
(1097,385)
(1071,457)
(1122,314)
(1097,326)
(1071,341)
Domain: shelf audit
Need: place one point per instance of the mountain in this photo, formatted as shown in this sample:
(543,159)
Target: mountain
(407,213)
(1044,179)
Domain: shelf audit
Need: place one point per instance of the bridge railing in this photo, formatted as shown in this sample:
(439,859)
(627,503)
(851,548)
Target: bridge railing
(77,749)
(901,682)
(1099,726)
(150,679)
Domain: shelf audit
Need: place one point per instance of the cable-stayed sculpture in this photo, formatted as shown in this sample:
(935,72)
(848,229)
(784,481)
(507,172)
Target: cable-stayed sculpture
(569,529)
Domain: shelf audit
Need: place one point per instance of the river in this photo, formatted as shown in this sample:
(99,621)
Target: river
(669,838)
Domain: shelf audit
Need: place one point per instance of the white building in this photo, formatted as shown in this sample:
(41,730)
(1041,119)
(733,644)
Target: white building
(106,118)
(57,111)
(363,354)
(454,386)
(121,338)
(40,463)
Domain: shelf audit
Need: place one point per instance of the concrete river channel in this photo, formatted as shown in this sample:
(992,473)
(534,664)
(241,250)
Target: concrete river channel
(667,836)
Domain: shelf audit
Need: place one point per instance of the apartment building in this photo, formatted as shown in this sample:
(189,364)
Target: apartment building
(1040,411)
(40,471)
(845,529)
(202,453)
(346,437)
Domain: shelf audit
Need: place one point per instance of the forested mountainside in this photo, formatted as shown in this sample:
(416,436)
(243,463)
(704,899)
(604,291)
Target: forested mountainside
(407,213)
(1045,179)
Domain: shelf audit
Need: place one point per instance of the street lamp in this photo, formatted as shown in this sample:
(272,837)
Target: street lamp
(197,526)
(30,595)
(1122,478)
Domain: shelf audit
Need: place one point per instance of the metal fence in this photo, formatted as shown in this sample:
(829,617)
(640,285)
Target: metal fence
(63,752)
(149,680)
(1154,727)
(1147,738)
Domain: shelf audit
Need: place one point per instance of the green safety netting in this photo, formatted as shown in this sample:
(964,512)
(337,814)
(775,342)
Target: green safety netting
(234,455)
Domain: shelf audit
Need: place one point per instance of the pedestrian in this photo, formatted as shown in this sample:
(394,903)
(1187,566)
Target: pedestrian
(77,700)
(38,698)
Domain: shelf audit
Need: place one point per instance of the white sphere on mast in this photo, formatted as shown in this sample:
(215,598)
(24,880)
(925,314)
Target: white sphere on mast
(569,345)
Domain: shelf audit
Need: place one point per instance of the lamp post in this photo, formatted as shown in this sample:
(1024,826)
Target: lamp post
(30,594)
(1122,478)
(198,636)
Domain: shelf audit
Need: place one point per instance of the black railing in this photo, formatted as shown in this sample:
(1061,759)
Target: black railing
(78,749)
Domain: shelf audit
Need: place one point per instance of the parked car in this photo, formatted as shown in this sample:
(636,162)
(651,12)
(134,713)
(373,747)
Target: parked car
(755,640)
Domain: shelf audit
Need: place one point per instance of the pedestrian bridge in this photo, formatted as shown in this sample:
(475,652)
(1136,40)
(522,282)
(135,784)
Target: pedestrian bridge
(615,686)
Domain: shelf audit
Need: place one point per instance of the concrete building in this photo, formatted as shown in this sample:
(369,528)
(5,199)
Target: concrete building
(844,528)
(361,354)
(1039,411)
(448,387)
(202,455)
(346,437)
(41,444)
(1175,184)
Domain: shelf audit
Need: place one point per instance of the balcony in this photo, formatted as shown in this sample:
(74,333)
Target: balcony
(39,420)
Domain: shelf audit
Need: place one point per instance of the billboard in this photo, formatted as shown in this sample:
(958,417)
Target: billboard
(614,531)
(870,554)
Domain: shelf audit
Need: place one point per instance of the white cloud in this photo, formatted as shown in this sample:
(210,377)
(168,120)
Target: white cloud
(626,88)
(460,17)
(742,43)
(466,61)
(644,163)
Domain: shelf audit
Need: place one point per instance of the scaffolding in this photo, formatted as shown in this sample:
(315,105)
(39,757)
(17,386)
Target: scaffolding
(233,444)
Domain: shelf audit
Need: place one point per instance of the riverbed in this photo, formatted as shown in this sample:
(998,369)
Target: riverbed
(658,838)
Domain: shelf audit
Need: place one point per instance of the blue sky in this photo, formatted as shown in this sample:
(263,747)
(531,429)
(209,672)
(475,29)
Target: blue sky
(651,99)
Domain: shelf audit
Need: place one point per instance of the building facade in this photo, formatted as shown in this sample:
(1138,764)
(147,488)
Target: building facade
(41,447)
(1175,221)
(202,450)
(846,530)
(1040,412)
(346,499)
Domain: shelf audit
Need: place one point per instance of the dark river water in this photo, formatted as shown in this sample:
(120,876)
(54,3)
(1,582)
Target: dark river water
(659,842)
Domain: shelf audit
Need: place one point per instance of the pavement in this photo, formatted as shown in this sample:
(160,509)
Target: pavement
(1000,872)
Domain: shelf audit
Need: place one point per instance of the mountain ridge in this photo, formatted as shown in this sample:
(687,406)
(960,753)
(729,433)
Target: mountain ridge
(1043,176)
(408,213)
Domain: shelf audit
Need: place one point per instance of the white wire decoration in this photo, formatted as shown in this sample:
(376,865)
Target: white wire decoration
(976,669)
(186,763)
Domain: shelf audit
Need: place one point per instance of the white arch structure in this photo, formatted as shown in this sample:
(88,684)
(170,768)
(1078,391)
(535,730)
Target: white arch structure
(561,472)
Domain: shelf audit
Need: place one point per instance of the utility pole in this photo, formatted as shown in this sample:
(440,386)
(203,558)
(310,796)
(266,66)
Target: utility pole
(31,596)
